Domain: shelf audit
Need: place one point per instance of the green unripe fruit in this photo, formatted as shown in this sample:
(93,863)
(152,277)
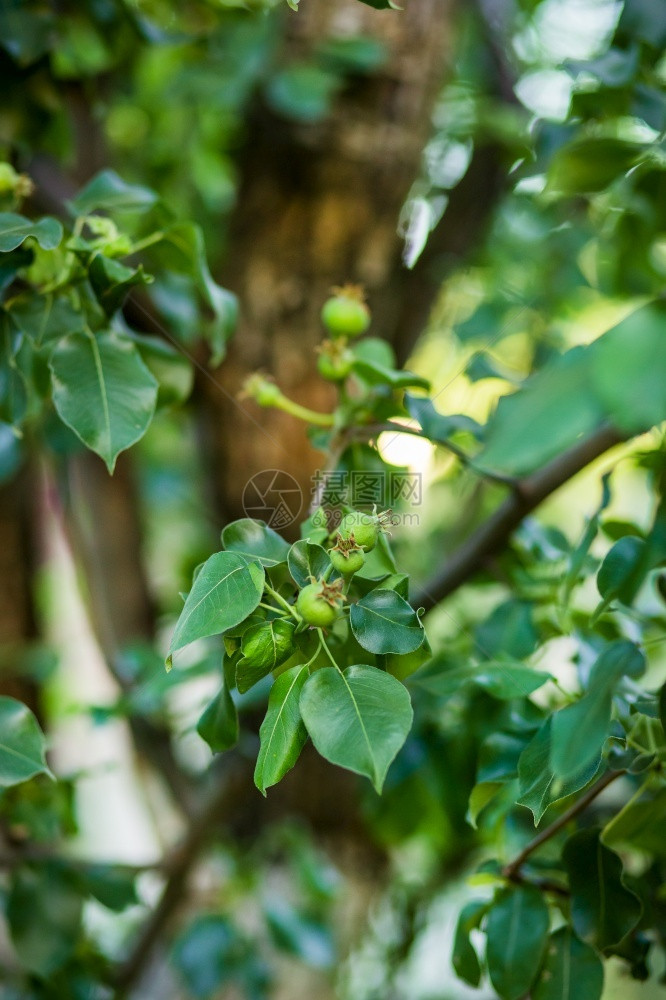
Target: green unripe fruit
(364,528)
(345,314)
(336,365)
(348,562)
(314,608)
(261,389)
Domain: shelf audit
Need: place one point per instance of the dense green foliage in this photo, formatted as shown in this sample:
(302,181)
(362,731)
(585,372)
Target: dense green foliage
(490,725)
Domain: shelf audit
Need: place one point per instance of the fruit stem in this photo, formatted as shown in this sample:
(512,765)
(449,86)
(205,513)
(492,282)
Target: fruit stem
(147,241)
(327,650)
(285,604)
(269,607)
(303,412)
(315,655)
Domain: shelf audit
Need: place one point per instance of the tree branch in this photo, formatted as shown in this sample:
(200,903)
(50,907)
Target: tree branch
(178,867)
(512,870)
(493,535)
(390,426)
(10,859)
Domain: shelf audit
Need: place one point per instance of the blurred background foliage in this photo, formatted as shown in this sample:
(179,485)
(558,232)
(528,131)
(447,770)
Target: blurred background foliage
(519,210)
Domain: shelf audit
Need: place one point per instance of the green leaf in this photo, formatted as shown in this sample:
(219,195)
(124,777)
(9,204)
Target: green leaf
(303,92)
(376,350)
(109,192)
(113,885)
(44,909)
(579,554)
(398,582)
(502,679)
(483,365)
(628,370)
(572,970)
(227,589)
(439,426)
(539,786)
(111,281)
(376,374)
(557,405)
(26,30)
(590,164)
(506,681)
(508,632)
(358,719)
(464,958)
(264,648)
(296,933)
(307,559)
(11,263)
(44,318)
(14,229)
(403,666)
(580,729)
(615,68)
(640,824)
(21,744)
(481,795)
(619,659)
(603,910)
(642,20)
(218,725)
(382,4)
(13,392)
(11,453)
(355,54)
(183,249)
(379,562)
(623,570)
(256,540)
(498,756)
(282,735)
(169,367)
(103,391)
(516,931)
(383,622)
(207,955)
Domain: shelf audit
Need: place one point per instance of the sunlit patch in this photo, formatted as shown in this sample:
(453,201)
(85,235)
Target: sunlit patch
(406,449)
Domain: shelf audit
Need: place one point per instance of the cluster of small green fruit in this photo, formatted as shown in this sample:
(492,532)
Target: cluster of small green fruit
(327,617)
(319,603)
(345,316)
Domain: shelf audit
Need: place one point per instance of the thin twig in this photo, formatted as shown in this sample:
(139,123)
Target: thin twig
(512,870)
(495,532)
(390,426)
(542,884)
(35,855)
(179,866)
(335,452)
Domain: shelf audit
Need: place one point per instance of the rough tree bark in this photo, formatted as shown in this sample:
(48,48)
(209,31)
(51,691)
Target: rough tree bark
(102,513)
(18,620)
(318,206)
(104,523)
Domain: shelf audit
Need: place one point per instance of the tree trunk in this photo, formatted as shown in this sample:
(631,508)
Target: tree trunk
(319,206)
(104,524)
(18,622)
